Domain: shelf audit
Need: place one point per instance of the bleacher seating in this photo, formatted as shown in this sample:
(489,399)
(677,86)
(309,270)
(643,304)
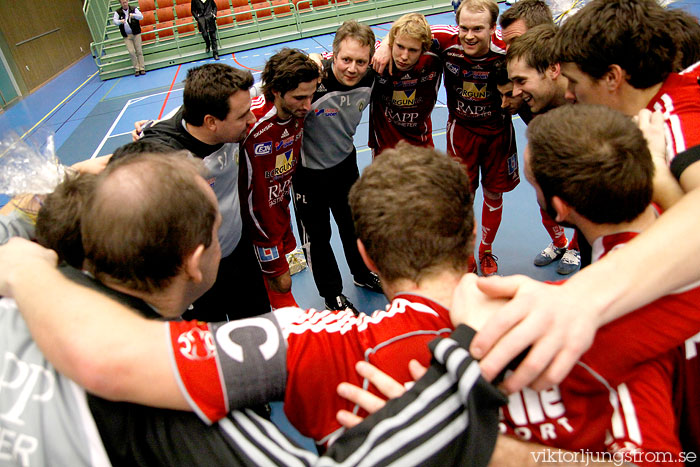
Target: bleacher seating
(169,31)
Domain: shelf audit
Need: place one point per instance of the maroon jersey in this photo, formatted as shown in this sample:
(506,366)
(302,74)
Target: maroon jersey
(402,103)
(679,100)
(473,100)
(269,155)
(612,401)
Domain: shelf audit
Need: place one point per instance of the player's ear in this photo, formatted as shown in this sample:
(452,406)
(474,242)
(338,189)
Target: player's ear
(210,122)
(192,264)
(554,70)
(562,208)
(365,257)
(614,77)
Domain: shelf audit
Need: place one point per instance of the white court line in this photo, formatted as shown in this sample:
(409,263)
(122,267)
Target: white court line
(119,117)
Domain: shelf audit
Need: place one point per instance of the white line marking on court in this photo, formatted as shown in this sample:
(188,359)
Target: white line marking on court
(119,117)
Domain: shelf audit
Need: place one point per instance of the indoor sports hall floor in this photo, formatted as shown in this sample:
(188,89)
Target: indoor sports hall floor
(89,118)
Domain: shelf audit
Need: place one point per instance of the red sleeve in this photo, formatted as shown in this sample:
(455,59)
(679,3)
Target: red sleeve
(196,369)
(444,35)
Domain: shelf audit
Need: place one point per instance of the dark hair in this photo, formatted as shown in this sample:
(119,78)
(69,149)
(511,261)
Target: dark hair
(353,30)
(500,73)
(146,214)
(633,34)
(532,12)
(595,159)
(285,70)
(58,220)
(535,47)
(685,30)
(208,89)
(412,209)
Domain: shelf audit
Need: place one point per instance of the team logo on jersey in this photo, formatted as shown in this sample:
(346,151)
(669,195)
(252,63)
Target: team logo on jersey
(452,68)
(283,164)
(326,112)
(196,344)
(266,254)
(285,143)
(263,149)
(404,98)
(473,90)
(361,105)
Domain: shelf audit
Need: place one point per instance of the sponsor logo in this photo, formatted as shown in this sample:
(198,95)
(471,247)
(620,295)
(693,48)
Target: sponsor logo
(326,112)
(382,80)
(285,143)
(404,119)
(263,149)
(278,192)
(266,254)
(404,98)
(512,164)
(321,88)
(455,54)
(283,164)
(23,383)
(262,131)
(196,344)
(211,181)
(285,133)
(428,77)
(473,91)
(452,68)
(410,83)
(482,75)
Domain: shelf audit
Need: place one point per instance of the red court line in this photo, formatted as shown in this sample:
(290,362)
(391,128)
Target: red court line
(240,64)
(162,109)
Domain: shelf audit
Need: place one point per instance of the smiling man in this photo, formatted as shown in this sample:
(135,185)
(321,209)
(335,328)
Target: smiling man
(537,79)
(402,100)
(270,154)
(329,164)
(479,134)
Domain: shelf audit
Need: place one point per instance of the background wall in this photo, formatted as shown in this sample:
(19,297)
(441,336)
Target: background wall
(40,39)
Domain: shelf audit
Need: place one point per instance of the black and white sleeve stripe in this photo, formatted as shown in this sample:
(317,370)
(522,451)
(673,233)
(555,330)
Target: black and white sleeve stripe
(450,416)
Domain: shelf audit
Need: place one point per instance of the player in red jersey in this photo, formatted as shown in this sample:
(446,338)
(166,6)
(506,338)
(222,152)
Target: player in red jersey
(591,168)
(403,99)
(603,69)
(538,80)
(269,155)
(618,402)
(479,134)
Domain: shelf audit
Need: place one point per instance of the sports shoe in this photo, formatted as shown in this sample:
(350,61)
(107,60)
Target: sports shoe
(372,282)
(488,263)
(549,255)
(340,303)
(569,263)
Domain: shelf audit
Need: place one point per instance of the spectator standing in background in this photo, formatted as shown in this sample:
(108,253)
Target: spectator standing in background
(204,11)
(127,19)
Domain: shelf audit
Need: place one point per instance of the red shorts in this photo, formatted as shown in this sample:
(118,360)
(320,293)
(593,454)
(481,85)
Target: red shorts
(496,155)
(271,258)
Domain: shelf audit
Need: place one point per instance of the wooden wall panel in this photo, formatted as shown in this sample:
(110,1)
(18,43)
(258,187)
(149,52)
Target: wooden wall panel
(41,58)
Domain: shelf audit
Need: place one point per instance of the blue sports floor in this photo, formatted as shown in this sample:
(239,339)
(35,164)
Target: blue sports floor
(89,117)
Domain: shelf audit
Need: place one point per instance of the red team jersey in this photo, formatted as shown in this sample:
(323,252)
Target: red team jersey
(619,396)
(269,155)
(472,98)
(402,103)
(388,339)
(679,100)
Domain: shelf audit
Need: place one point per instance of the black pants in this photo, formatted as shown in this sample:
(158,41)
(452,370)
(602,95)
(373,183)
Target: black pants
(239,291)
(317,193)
(207,26)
